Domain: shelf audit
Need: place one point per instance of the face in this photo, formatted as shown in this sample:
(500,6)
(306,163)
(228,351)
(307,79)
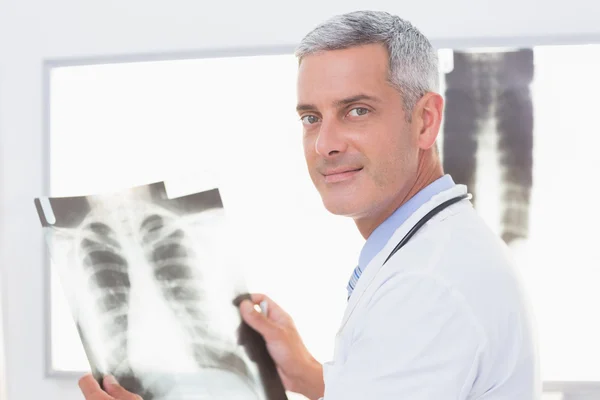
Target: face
(361,153)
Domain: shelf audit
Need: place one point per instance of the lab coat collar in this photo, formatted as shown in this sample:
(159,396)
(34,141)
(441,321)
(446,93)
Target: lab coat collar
(376,263)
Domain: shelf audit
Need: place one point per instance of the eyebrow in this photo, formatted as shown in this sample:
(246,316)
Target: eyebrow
(340,103)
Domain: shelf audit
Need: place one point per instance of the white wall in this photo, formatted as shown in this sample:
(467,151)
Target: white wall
(32,31)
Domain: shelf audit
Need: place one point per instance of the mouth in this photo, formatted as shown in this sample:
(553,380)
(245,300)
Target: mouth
(341,175)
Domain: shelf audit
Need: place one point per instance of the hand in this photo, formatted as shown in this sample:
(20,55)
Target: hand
(300,372)
(92,391)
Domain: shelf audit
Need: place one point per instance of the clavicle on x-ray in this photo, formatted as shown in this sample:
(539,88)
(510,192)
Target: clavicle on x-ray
(154,296)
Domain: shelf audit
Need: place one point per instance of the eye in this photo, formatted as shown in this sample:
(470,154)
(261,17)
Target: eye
(309,119)
(358,111)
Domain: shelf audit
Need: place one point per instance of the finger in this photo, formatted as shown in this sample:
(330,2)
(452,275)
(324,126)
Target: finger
(263,301)
(113,388)
(258,321)
(258,297)
(91,389)
(273,310)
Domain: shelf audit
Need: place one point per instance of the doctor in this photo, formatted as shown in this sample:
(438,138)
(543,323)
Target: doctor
(445,316)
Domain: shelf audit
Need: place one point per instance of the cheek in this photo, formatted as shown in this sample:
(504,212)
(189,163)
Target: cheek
(308,147)
(390,159)
(310,156)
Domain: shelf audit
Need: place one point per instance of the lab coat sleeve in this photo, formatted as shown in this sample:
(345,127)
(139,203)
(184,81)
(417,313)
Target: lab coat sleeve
(419,341)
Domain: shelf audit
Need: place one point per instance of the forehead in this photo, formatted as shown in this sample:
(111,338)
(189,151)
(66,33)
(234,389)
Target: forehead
(336,74)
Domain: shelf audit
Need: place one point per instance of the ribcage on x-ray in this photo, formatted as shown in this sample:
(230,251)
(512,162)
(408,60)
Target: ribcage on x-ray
(169,252)
(171,263)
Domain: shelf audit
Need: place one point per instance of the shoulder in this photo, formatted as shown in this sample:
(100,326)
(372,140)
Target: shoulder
(468,269)
(460,252)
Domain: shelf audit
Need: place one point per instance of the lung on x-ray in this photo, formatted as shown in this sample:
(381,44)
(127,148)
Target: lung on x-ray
(154,296)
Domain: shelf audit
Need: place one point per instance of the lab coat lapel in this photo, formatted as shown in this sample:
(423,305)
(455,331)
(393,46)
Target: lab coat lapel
(375,265)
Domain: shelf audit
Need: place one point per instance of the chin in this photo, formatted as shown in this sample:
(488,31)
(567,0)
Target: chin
(341,207)
(345,199)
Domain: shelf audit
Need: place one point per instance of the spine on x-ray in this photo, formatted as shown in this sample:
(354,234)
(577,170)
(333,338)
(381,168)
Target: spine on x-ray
(514,114)
(493,85)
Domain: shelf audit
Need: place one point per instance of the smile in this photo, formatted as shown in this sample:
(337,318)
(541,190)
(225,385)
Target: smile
(341,176)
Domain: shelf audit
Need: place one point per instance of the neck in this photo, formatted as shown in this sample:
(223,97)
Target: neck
(429,170)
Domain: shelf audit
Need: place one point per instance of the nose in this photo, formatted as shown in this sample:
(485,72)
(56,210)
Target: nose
(330,140)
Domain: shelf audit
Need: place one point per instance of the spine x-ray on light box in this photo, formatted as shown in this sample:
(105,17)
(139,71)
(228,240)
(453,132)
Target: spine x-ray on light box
(154,296)
(493,86)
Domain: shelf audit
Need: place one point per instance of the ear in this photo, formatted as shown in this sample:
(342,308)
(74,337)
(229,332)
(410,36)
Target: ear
(427,119)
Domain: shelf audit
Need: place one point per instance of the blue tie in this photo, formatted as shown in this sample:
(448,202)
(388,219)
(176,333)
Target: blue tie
(354,280)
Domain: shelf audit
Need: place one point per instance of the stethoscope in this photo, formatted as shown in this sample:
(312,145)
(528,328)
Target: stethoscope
(424,220)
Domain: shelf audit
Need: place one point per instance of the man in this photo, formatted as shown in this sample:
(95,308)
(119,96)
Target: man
(444,317)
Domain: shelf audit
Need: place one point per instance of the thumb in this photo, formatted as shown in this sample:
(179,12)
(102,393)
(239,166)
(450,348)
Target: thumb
(258,321)
(112,387)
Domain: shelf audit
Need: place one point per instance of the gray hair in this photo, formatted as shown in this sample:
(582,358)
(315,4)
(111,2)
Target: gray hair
(413,62)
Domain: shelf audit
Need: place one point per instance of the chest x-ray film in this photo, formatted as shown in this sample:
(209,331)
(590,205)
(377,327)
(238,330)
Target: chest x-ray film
(153,295)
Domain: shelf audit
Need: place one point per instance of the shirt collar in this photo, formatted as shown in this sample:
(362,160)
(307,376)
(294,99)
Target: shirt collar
(382,234)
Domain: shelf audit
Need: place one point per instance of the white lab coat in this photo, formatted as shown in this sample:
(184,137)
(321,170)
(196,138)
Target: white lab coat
(445,318)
